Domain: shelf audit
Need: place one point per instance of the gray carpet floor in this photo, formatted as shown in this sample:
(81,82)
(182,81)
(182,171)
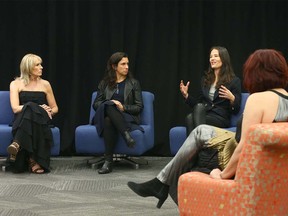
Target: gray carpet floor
(74,188)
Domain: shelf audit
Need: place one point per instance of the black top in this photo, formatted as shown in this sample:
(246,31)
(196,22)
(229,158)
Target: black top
(119,93)
(37,97)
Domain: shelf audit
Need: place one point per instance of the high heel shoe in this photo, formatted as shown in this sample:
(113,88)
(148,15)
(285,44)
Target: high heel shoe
(128,139)
(153,187)
(106,168)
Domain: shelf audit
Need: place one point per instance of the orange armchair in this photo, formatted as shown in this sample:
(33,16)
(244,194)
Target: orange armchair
(260,186)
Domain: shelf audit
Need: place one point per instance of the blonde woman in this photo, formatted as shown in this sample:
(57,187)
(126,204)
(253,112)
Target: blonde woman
(34,105)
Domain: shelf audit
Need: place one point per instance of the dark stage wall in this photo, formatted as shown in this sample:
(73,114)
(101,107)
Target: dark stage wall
(166,41)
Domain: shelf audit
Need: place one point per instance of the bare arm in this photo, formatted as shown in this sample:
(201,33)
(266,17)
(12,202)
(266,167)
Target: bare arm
(53,108)
(257,110)
(14,96)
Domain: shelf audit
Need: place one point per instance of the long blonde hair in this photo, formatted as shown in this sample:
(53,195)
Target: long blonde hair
(28,62)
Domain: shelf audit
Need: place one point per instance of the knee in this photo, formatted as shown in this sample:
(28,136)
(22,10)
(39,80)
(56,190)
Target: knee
(107,121)
(202,127)
(200,107)
(109,109)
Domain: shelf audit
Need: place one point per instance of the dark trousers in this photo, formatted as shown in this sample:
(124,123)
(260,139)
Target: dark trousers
(114,123)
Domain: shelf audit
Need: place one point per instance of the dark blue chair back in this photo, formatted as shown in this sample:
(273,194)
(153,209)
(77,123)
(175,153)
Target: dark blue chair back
(234,118)
(7,115)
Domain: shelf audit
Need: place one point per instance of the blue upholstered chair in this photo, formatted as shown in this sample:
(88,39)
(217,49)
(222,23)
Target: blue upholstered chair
(88,142)
(6,118)
(177,135)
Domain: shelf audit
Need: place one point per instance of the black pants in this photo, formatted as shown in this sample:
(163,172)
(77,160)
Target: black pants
(114,123)
(199,116)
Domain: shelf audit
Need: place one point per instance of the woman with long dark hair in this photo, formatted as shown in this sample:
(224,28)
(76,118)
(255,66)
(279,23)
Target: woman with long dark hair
(118,106)
(220,94)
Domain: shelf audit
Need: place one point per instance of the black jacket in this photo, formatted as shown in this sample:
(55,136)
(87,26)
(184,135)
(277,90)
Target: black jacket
(219,106)
(133,103)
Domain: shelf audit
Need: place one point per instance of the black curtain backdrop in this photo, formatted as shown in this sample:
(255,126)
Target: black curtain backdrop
(166,41)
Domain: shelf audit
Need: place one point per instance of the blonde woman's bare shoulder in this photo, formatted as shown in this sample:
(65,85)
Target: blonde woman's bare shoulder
(16,80)
(46,84)
(17,83)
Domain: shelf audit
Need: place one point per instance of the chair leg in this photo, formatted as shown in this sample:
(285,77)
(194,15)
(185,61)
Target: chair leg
(5,164)
(2,164)
(96,162)
(136,162)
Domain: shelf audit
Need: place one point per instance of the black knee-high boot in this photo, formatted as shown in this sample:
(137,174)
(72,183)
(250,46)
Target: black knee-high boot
(196,118)
(153,187)
(189,123)
(199,114)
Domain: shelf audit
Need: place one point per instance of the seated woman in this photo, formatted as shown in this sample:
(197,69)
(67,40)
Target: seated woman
(220,94)
(265,75)
(32,101)
(118,106)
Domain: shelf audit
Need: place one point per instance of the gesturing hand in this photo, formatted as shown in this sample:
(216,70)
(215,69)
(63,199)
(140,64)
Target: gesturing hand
(184,88)
(226,93)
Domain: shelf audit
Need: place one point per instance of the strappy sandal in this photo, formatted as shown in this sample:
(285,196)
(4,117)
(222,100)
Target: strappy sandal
(35,167)
(13,149)
(12,158)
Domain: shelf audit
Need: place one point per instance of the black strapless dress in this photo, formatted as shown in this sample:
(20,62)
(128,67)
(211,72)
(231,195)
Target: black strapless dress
(31,129)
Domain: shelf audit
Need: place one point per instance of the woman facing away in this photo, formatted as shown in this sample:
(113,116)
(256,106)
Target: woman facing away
(265,77)
(34,105)
(118,106)
(220,94)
